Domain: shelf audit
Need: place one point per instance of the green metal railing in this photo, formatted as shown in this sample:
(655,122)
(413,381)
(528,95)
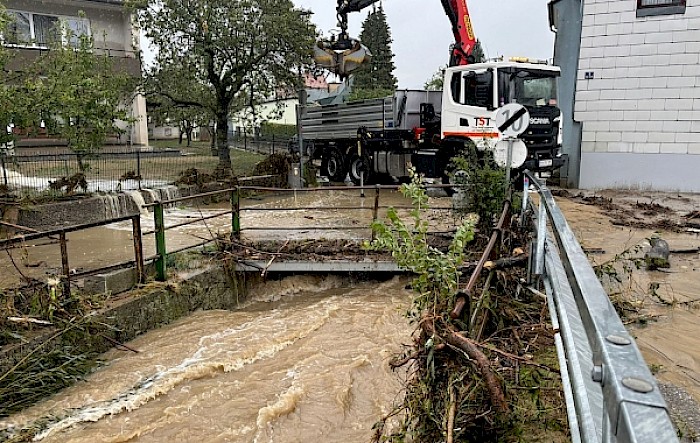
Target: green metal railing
(236,196)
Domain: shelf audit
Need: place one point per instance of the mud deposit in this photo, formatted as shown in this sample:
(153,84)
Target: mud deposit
(612,222)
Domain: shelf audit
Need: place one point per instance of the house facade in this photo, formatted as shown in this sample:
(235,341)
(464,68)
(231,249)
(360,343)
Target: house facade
(629,92)
(33,24)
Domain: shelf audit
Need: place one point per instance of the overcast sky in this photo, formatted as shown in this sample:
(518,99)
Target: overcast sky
(422,34)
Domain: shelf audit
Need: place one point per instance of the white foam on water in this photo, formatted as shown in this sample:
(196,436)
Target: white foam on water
(199,365)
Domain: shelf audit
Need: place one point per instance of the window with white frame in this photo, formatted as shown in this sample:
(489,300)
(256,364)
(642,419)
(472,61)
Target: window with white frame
(646,8)
(28,29)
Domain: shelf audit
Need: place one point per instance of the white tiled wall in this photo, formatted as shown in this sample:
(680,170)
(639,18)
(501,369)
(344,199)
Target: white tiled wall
(645,94)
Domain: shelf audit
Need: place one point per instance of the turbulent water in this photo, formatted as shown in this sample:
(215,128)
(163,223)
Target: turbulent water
(306,358)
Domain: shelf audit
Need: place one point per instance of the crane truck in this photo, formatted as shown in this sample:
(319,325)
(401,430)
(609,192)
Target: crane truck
(368,139)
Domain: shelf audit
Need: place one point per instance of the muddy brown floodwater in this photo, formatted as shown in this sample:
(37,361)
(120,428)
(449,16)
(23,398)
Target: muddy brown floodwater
(305,360)
(670,342)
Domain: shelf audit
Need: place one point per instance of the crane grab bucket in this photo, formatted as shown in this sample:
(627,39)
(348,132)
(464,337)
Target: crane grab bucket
(341,57)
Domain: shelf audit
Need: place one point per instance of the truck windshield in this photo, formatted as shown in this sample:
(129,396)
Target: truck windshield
(534,88)
(527,87)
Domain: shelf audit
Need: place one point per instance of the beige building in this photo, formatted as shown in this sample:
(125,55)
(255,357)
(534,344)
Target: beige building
(33,24)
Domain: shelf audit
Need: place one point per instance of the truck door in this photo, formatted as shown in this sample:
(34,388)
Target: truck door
(469,103)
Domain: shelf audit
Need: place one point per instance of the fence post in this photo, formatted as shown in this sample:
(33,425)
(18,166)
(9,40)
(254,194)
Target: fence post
(245,140)
(160,241)
(138,167)
(138,248)
(236,213)
(273,144)
(375,210)
(4,171)
(64,264)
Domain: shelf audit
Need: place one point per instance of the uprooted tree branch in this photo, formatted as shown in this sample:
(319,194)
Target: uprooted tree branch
(489,372)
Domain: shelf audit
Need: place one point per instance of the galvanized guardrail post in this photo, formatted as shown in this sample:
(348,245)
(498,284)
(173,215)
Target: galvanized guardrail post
(236,213)
(375,210)
(160,241)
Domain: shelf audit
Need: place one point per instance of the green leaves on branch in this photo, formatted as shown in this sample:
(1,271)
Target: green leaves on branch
(74,93)
(407,240)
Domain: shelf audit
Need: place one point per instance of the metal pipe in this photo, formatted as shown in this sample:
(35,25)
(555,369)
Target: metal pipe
(68,229)
(461,301)
(190,222)
(236,213)
(309,208)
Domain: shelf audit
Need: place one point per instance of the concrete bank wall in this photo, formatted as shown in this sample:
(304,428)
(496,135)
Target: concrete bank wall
(139,311)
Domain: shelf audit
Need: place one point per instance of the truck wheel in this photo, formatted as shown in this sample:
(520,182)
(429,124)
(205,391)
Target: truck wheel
(457,178)
(333,166)
(359,167)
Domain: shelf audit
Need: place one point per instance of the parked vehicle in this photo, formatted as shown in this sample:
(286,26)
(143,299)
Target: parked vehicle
(426,129)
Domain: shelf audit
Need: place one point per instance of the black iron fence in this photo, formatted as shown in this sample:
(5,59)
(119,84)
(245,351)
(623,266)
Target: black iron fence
(261,142)
(67,173)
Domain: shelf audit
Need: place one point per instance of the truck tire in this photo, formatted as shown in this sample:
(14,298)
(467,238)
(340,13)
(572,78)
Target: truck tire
(333,166)
(358,166)
(457,178)
(451,175)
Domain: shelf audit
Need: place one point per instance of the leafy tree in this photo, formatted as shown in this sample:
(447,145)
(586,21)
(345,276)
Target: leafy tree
(478,52)
(13,96)
(379,74)
(187,118)
(223,55)
(78,95)
(436,82)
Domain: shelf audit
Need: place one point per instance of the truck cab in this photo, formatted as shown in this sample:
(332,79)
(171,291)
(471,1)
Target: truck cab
(473,93)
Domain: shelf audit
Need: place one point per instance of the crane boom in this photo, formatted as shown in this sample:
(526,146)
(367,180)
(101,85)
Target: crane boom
(342,54)
(461,50)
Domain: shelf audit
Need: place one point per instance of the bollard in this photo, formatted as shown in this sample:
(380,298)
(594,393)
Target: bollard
(160,241)
(236,213)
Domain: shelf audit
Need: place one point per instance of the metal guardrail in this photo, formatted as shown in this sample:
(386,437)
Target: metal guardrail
(610,392)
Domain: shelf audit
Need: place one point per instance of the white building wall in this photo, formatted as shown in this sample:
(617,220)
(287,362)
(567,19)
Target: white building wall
(281,112)
(641,110)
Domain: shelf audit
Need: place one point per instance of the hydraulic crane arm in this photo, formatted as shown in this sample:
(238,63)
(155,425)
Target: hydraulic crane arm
(342,54)
(461,50)
(345,6)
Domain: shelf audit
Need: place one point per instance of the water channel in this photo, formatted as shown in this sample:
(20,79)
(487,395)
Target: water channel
(107,245)
(306,359)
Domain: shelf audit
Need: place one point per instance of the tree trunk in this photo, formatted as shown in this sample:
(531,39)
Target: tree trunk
(224,166)
(188,131)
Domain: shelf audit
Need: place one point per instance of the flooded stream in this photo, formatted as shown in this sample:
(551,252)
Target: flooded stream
(306,359)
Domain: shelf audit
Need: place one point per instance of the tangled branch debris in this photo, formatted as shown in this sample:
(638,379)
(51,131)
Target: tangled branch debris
(489,373)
